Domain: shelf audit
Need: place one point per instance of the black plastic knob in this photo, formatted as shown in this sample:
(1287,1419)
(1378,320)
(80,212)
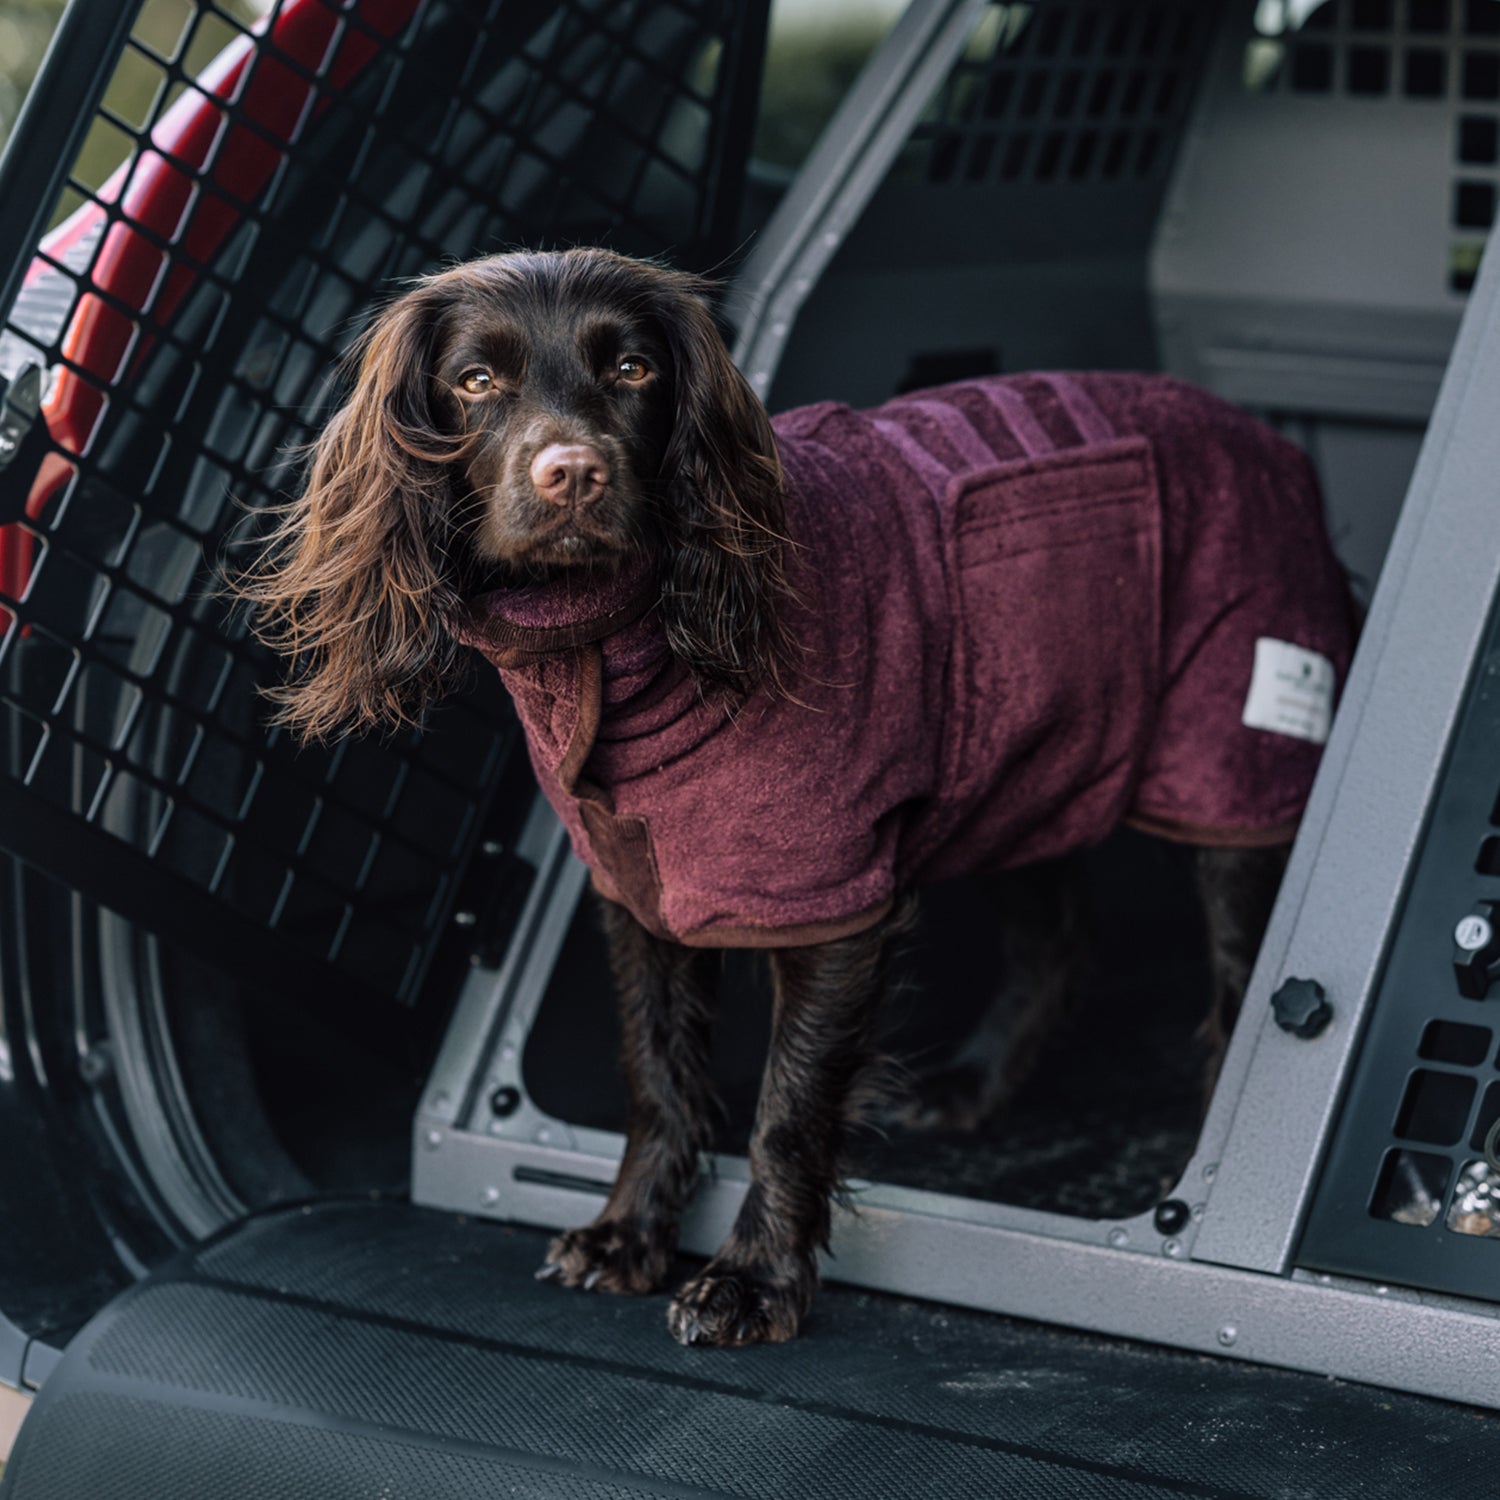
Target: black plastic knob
(1301,1008)
(505,1101)
(1171,1216)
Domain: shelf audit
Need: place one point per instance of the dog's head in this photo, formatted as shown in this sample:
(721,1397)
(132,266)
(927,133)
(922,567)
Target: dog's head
(512,419)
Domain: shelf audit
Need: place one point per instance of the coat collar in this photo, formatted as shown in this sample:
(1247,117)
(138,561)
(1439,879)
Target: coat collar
(513,625)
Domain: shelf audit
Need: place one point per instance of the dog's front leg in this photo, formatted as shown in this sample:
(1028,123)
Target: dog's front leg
(759,1286)
(665,996)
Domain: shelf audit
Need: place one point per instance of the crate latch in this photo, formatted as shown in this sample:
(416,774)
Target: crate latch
(20,403)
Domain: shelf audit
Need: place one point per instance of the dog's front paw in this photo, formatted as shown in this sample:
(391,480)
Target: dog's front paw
(610,1255)
(728,1306)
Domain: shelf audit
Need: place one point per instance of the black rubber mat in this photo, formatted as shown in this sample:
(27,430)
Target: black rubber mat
(375,1350)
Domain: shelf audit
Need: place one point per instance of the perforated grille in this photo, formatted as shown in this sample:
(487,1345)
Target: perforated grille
(186,315)
(1065,93)
(1429,54)
(1410,1192)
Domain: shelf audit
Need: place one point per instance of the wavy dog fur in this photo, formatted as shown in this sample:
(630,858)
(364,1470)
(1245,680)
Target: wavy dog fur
(360,571)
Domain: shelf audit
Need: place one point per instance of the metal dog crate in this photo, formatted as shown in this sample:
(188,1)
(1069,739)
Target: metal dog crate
(1288,207)
(1138,142)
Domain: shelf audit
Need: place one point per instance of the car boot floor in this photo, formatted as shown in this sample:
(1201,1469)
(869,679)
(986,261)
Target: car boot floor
(369,1348)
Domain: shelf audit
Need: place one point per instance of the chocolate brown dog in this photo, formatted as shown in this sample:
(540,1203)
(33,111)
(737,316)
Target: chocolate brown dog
(773,679)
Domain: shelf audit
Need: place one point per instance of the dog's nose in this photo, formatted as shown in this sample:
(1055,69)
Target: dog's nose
(569,473)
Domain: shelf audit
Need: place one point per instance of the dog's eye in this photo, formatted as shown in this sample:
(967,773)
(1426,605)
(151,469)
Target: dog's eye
(477,382)
(632,370)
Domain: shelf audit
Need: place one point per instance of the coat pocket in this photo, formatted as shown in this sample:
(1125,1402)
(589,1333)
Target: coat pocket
(1054,565)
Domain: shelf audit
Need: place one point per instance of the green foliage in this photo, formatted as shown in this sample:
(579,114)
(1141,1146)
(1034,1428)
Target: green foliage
(25,27)
(140,87)
(809,67)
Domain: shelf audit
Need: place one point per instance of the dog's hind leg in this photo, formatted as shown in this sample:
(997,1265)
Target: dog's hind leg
(1237,888)
(665,994)
(1041,953)
(757,1289)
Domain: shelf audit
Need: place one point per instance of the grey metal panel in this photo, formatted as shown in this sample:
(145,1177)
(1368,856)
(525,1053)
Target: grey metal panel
(1368,807)
(1301,264)
(1406,1114)
(1370,386)
(961,1252)
(481,1049)
(1262,250)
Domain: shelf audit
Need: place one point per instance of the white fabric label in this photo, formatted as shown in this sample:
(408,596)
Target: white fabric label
(1291,691)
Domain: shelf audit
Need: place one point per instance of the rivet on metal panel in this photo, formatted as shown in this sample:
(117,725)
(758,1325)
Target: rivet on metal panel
(1228,1334)
(1172,1249)
(1119,1238)
(1211,1171)
(490,1197)
(432,1139)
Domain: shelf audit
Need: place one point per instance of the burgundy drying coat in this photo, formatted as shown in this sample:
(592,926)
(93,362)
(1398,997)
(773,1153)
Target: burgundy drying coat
(1029,610)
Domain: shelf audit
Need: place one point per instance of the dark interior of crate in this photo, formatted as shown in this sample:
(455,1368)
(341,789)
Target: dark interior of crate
(1101,1126)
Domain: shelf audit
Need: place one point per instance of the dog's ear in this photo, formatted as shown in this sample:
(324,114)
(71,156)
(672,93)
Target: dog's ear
(352,585)
(725,582)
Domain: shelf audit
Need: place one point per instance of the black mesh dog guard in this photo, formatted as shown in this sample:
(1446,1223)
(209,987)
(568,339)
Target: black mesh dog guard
(184,319)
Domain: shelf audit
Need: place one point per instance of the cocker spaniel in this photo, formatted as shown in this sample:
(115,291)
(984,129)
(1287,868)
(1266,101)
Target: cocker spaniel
(774,676)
